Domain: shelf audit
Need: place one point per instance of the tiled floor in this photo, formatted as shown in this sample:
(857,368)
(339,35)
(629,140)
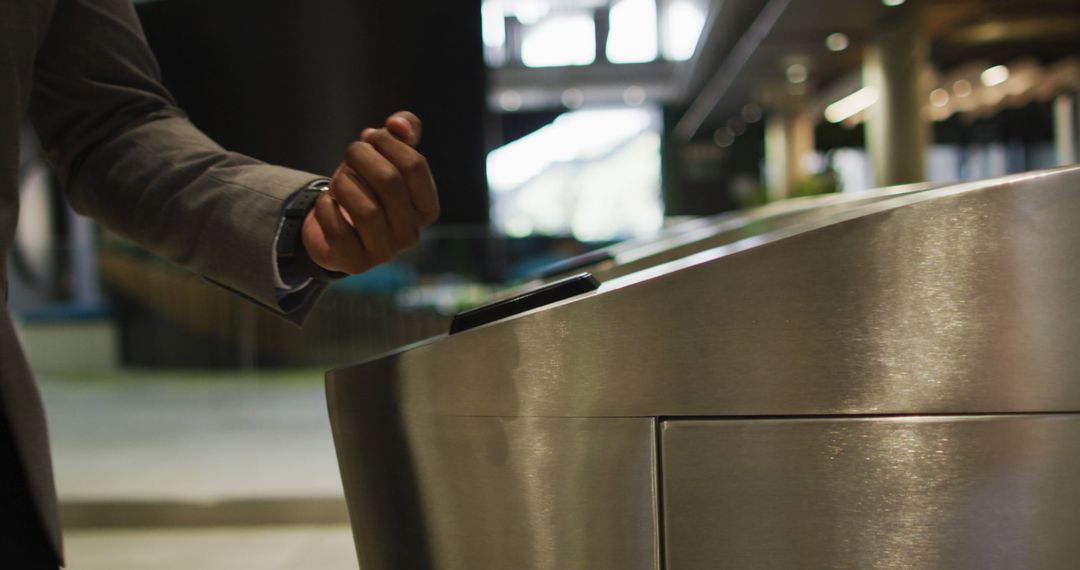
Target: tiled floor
(190,436)
(225,548)
(160,448)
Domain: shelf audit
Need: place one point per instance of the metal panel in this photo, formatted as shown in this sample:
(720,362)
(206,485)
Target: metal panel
(698,235)
(487,492)
(935,302)
(957,300)
(898,493)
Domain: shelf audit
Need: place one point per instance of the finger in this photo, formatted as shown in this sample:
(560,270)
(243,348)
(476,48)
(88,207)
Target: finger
(389,187)
(406,126)
(365,213)
(338,248)
(414,170)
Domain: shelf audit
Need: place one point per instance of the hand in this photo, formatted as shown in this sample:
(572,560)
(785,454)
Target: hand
(380,197)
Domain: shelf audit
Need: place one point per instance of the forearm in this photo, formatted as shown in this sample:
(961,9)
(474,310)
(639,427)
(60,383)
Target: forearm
(127,156)
(166,186)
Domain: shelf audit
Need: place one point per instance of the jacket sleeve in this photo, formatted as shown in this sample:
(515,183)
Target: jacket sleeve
(129,158)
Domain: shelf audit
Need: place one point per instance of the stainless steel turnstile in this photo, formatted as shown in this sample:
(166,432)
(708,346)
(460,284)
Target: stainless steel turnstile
(892,386)
(697,235)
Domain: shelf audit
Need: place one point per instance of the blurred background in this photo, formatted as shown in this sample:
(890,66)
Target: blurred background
(189,427)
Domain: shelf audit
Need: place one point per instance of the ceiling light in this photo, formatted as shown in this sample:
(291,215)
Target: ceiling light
(634,96)
(723,137)
(797,73)
(837,42)
(682,27)
(995,75)
(892,2)
(751,112)
(851,105)
(962,88)
(573,98)
(939,97)
(510,101)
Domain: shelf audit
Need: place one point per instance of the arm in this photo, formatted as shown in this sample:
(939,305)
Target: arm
(127,156)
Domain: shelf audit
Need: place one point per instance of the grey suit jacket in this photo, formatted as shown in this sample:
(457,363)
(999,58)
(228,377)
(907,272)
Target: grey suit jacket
(125,155)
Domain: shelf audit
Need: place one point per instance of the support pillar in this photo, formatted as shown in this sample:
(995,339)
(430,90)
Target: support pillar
(789,139)
(1065,128)
(897,129)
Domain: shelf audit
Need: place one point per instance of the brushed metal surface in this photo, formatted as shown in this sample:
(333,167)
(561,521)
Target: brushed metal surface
(899,493)
(725,229)
(957,300)
(452,492)
(697,235)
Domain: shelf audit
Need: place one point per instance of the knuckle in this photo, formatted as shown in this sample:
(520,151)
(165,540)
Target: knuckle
(387,175)
(354,150)
(415,164)
(339,237)
(366,212)
(380,135)
(355,154)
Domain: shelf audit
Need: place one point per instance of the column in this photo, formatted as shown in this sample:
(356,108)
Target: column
(789,139)
(897,130)
(1065,127)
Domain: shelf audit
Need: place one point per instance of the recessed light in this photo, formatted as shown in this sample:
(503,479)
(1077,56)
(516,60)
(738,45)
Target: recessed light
(573,98)
(634,96)
(723,137)
(837,42)
(751,112)
(510,101)
(995,75)
(797,73)
(962,88)
(939,97)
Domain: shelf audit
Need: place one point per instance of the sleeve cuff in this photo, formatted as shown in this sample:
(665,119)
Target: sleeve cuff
(294,270)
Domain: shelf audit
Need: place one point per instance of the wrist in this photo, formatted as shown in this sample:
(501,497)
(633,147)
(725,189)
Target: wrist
(296,210)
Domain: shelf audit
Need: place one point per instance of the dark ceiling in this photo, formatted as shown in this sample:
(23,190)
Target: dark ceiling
(959,31)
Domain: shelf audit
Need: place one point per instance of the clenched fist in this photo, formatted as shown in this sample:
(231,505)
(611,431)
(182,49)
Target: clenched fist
(380,197)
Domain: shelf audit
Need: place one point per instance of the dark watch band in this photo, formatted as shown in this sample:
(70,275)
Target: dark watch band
(292,218)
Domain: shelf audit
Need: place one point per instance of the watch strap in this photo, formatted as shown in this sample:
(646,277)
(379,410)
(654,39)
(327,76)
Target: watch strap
(292,217)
